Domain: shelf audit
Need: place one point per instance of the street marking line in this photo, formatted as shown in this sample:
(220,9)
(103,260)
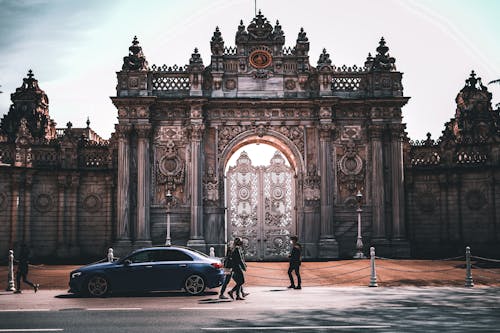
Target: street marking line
(24,310)
(271,328)
(31,330)
(113,309)
(206,308)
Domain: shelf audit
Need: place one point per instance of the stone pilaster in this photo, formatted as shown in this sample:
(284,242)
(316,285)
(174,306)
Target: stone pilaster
(28,187)
(196,237)
(61,197)
(142,223)
(14,210)
(122,233)
(378,202)
(328,246)
(72,205)
(399,244)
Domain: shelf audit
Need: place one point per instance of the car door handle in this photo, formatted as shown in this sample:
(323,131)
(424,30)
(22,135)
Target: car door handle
(183,265)
(149,266)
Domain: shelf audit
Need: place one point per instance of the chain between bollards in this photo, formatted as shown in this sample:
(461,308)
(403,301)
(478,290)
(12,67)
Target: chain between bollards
(10,274)
(373,273)
(468,273)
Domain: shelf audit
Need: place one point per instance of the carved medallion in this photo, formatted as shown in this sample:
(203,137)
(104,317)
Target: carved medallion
(43,203)
(260,59)
(426,201)
(475,199)
(92,203)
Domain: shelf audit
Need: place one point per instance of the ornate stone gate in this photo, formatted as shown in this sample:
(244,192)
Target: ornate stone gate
(339,127)
(261,207)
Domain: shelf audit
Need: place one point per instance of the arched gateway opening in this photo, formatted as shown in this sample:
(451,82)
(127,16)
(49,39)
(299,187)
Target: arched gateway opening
(261,196)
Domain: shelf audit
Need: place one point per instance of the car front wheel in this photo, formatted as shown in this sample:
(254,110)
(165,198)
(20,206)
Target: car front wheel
(194,285)
(97,286)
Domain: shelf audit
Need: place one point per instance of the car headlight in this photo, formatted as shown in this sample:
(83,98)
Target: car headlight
(76,274)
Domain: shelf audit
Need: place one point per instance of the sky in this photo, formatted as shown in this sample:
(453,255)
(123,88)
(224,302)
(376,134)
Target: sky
(75,47)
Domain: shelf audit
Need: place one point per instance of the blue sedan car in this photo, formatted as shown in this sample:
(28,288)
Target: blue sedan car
(150,269)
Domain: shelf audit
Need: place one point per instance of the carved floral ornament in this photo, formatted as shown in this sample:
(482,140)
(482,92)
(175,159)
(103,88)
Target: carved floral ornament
(475,199)
(44,202)
(92,203)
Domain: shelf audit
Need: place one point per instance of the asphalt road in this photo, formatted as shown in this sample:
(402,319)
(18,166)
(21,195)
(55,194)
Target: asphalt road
(267,309)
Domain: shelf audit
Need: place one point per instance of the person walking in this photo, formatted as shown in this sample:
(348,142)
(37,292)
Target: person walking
(239,266)
(22,269)
(295,260)
(228,268)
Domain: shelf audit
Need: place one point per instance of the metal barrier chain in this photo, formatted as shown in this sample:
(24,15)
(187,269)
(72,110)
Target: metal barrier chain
(486,270)
(444,259)
(350,262)
(485,259)
(425,271)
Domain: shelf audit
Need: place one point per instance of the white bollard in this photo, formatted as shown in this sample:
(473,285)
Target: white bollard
(111,256)
(212,252)
(10,274)
(373,273)
(468,272)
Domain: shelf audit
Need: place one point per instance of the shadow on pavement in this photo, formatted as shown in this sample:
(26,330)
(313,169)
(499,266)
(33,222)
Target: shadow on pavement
(139,294)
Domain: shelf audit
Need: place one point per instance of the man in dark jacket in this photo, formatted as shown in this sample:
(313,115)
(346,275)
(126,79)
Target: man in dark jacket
(295,259)
(22,269)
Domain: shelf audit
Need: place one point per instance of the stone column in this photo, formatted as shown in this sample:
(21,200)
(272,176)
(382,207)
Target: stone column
(196,238)
(62,249)
(73,215)
(397,181)
(378,200)
(400,245)
(123,244)
(28,187)
(14,209)
(142,223)
(328,246)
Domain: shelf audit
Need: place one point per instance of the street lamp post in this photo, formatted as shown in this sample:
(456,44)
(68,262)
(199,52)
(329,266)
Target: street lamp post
(169,198)
(359,242)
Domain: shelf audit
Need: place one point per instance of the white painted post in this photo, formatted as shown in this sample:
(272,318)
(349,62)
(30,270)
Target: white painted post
(10,273)
(468,273)
(212,252)
(110,255)
(373,273)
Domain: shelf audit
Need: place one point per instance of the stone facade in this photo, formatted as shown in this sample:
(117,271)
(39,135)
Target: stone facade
(340,128)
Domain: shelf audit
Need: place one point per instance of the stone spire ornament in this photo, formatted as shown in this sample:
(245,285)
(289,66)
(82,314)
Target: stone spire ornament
(135,59)
(217,43)
(383,61)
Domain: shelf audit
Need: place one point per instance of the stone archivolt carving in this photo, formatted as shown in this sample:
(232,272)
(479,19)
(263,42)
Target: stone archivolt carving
(227,133)
(169,169)
(169,133)
(210,186)
(351,168)
(312,184)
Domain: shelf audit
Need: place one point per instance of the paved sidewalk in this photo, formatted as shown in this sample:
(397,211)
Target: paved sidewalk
(331,273)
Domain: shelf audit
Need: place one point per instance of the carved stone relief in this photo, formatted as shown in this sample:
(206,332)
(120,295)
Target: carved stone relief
(312,181)
(350,171)
(475,199)
(210,187)
(169,170)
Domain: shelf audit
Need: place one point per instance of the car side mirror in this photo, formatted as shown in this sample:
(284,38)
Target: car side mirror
(127,262)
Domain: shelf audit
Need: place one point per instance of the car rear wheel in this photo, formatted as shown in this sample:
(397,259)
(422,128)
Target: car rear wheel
(194,285)
(97,286)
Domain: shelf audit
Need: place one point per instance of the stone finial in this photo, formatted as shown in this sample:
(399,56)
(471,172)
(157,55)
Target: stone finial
(88,122)
(241,34)
(195,57)
(382,61)
(278,34)
(324,60)
(69,124)
(217,43)
(260,28)
(135,59)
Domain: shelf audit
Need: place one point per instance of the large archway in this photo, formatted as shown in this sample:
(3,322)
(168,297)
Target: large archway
(261,196)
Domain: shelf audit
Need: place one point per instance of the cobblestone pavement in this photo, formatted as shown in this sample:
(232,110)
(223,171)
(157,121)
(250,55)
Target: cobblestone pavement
(331,273)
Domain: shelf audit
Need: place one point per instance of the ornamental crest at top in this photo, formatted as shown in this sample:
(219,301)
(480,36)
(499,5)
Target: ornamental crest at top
(260,66)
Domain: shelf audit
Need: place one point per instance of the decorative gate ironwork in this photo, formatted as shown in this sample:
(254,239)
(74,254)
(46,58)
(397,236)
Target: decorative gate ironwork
(261,207)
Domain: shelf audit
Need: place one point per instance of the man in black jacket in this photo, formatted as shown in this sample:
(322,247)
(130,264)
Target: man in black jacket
(295,259)
(22,269)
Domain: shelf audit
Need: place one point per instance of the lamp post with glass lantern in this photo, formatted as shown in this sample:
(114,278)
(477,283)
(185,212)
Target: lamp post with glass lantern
(359,242)
(169,199)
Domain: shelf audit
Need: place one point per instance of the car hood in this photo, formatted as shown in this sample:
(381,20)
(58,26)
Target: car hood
(92,267)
